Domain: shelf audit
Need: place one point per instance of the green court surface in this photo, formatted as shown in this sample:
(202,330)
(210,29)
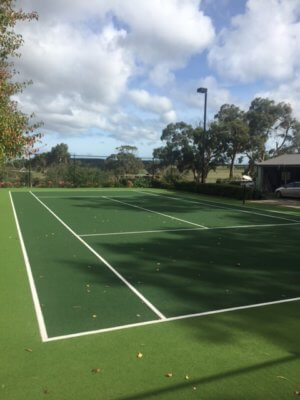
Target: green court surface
(102,260)
(205,289)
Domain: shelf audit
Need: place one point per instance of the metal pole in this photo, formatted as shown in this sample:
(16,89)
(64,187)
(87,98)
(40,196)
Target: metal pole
(74,169)
(203,90)
(204,136)
(29,172)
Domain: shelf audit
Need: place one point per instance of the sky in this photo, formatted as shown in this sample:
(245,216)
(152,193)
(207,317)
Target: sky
(112,73)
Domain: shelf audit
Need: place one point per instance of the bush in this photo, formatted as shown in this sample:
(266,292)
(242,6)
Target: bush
(143,182)
(213,189)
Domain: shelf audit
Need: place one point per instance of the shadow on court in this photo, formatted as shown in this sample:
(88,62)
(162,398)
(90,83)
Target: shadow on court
(212,379)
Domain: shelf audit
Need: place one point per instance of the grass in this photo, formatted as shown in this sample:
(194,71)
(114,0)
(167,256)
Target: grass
(249,354)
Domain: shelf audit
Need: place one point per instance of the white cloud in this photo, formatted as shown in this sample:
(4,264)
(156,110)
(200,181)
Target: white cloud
(143,99)
(81,56)
(262,43)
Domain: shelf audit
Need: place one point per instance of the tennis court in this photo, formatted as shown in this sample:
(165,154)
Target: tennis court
(112,259)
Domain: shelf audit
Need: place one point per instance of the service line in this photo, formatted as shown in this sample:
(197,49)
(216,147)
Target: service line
(155,212)
(188,229)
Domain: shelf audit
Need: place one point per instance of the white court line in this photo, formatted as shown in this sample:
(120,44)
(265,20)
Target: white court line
(223,207)
(132,288)
(75,197)
(138,232)
(154,212)
(201,314)
(187,229)
(36,303)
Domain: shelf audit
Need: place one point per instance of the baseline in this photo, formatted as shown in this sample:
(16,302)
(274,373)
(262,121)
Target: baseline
(180,317)
(131,287)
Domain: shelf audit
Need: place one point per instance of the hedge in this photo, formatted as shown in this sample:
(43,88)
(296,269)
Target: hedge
(214,189)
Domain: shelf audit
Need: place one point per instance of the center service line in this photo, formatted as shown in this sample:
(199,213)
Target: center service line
(132,288)
(155,212)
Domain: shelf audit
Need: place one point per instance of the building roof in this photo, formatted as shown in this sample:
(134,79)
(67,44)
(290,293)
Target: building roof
(285,159)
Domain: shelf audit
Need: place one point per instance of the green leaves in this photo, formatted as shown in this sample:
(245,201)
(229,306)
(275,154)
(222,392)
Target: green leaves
(16,129)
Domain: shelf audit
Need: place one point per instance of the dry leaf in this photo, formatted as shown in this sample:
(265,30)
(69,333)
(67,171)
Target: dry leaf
(169,375)
(282,377)
(139,355)
(96,370)
(29,350)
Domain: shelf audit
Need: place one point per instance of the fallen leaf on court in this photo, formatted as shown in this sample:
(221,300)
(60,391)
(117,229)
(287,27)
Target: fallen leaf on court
(139,355)
(29,350)
(282,377)
(96,370)
(168,375)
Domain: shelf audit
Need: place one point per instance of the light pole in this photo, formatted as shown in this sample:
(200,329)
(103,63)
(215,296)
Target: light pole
(203,90)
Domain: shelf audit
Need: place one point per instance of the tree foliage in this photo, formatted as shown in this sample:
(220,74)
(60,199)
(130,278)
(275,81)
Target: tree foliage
(124,161)
(16,130)
(190,148)
(232,122)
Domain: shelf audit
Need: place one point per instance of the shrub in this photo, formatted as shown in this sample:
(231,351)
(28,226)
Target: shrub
(213,189)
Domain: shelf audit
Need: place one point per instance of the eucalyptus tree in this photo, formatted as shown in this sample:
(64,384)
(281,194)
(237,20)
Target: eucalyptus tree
(231,121)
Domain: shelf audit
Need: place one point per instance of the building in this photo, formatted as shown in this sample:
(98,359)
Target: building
(277,171)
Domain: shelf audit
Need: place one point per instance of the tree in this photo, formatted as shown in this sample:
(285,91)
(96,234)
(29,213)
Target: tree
(59,154)
(16,129)
(211,149)
(189,148)
(232,122)
(266,120)
(124,162)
